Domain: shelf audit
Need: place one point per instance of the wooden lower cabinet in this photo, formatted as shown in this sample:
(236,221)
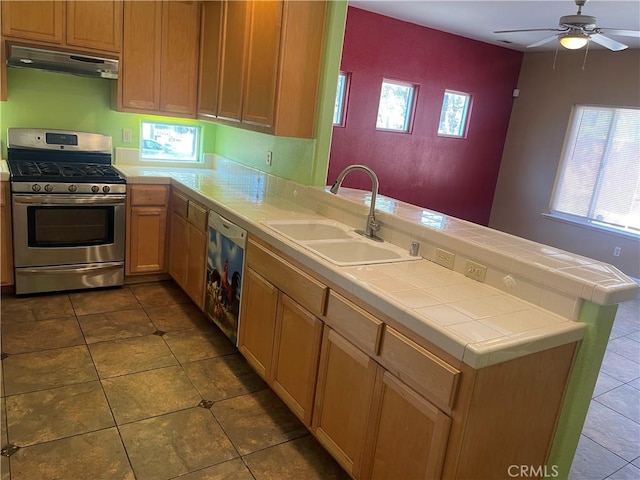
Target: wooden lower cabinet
(146,228)
(295,359)
(346,379)
(188,247)
(407,435)
(6,241)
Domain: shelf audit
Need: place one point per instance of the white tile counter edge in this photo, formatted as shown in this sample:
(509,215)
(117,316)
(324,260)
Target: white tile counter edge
(476,343)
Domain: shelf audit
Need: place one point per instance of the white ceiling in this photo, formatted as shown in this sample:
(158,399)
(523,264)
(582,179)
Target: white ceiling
(478,19)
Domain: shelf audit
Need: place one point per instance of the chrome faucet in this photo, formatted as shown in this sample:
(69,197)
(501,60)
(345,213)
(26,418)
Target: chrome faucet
(372,225)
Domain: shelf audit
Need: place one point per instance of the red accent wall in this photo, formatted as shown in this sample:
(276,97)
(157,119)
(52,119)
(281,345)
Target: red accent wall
(454,176)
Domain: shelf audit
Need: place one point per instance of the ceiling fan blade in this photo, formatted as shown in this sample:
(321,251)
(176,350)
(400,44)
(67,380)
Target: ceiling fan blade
(607,42)
(542,42)
(531,30)
(622,33)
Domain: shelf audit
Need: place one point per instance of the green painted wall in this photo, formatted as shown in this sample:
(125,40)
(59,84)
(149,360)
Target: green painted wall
(51,100)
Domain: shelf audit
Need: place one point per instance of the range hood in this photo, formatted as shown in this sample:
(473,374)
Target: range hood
(63,62)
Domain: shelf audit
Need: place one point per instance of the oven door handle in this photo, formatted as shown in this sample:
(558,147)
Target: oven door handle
(69,200)
(56,271)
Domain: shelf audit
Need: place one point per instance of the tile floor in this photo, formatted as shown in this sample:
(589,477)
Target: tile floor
(134,383)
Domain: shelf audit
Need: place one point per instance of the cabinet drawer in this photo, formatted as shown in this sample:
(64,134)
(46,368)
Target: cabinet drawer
(148,195)
(433,378)
(4,194)
(358,326)
(179,203)
(306,290)
(197,216)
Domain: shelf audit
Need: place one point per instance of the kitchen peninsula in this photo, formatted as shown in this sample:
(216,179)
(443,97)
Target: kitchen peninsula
(457,354)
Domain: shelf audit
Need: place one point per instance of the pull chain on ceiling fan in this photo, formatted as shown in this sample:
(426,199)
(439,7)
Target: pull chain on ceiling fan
(577,30)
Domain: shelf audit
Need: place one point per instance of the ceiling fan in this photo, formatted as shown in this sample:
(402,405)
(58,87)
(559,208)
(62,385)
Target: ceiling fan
(575,31)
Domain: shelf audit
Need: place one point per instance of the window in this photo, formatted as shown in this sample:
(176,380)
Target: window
(340,110)
(395,110)
(598,182)
(453,117)
(172,142)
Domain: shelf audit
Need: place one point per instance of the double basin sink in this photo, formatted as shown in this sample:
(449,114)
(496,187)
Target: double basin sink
(338,243)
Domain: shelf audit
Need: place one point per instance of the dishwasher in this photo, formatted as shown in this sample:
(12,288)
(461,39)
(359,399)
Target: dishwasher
(225,270)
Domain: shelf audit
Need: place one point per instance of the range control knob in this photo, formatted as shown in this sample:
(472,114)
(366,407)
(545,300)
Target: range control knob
(36,187)
(73,188)
(95,189)
(48,187)
(106,189)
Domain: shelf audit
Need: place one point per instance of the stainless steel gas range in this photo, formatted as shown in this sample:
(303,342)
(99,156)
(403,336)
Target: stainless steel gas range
(68,211)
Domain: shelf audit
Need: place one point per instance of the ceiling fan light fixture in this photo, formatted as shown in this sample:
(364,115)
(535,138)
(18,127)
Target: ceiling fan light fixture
(573,41)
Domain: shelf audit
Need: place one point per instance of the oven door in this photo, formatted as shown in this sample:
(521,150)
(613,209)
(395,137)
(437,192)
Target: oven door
(68,229)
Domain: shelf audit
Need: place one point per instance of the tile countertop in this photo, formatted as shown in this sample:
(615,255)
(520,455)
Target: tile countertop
(4,171)
(475,322)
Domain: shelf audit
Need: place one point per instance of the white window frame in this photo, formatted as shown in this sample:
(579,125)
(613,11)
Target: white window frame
(410,109)
(342,98)
(168,156)
(588,220)
(464,122)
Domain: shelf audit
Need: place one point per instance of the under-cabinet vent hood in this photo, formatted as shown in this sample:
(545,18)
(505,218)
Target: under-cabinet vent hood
(63,62)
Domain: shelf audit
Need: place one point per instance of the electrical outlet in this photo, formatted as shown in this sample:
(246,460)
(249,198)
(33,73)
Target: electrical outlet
(617,251)
(445,258)
(126,135)
(475,270)
(269,159)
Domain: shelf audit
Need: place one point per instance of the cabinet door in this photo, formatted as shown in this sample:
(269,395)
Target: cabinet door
(147,226)
(6,252)
(139,78)
(42,20)
(196,265)
(179,63)
(296,352)
(262,63)
(95,25)
(210,43)
(232,64)
(407,436)
(346,379)
(178,248)
(257,321)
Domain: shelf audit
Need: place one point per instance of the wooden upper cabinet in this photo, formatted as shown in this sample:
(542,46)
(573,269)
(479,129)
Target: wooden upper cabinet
(81,25)
(41,21)
(210,43)
(262,63)
(232,62)
(139,79)
(159,71)
(95,25)
(180,44)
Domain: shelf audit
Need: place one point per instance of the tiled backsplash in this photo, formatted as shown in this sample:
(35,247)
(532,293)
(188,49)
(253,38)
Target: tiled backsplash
(553,279)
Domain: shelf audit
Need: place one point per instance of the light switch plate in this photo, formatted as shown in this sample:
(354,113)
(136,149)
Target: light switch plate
(445,258)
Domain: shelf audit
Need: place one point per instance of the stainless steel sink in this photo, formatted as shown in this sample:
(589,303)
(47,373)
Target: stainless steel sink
(338,243)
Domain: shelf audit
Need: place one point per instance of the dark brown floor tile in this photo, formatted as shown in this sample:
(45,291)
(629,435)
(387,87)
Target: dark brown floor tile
(178,317)
(91,456)
(40,307)
(223,377)
(194,344)
(101,327)
(301,458)
(161,293)
(100,301)
(177,443)
(43,335)
(148,394)
(232,470)
(28,372)
(4,439)
(131,355)
(257,420)
(55,413)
